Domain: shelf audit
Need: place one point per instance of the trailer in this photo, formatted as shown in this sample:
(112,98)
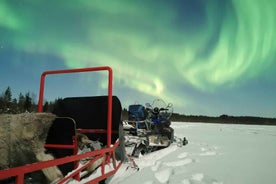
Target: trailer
(98,117)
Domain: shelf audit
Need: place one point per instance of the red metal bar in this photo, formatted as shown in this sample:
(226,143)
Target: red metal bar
(78,70)
(96,131)
(109,110)
(20,179)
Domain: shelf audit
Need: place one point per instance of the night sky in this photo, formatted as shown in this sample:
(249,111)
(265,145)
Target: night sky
(207,57)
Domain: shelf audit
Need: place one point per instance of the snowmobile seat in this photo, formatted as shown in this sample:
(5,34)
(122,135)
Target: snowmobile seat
(137,115)
(137,112)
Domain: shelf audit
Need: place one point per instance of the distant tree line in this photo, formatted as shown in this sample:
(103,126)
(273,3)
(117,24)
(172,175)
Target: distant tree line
(27,103)
(24,103)
(225,119)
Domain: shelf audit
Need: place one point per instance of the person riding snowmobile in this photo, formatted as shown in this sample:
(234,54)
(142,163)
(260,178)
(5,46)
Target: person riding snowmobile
(161,125)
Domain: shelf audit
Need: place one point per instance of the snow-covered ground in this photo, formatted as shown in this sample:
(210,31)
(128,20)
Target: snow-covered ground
(216,154)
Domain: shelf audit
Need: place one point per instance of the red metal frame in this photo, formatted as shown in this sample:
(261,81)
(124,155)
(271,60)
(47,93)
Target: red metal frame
(78,70)
(20,171)
(109,151)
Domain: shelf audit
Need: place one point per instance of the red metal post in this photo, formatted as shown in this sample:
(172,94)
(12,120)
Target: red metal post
(109,110)
(41,93)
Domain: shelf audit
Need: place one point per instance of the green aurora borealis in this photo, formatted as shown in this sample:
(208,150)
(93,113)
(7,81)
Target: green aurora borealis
(169,49)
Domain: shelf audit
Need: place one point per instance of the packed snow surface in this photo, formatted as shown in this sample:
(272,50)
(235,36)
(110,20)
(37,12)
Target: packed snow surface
(216,154)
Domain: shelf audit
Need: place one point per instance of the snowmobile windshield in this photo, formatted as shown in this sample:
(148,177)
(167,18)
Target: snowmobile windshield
(161,110)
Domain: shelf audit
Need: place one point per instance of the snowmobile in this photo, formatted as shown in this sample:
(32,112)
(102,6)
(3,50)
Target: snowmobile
(148,128)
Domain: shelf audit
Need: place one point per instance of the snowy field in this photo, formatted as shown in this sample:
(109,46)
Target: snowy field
(216,154)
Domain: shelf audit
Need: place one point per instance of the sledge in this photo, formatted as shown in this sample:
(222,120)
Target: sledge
(99,117)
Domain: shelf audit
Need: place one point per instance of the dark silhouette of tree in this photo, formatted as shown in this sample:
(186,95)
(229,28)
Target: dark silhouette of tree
(6,101)
(46,107)
(1,104)
(28,102)
(8,95)
(21,102)
(14,106)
